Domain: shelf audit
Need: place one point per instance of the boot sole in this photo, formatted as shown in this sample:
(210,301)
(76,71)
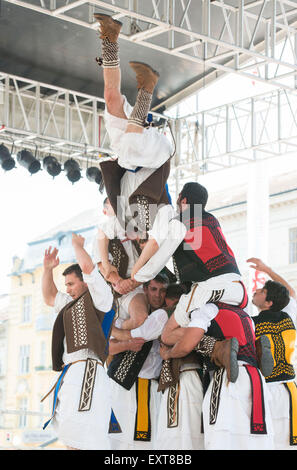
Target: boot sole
(234,370)
(99,16)
(267,361)
(143,63)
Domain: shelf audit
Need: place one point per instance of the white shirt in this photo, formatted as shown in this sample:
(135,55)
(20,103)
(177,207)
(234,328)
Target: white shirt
(168,241)
(291,309)
(150,330)
(102,298)
(202,317)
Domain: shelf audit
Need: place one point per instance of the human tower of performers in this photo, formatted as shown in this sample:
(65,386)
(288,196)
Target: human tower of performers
(153,359)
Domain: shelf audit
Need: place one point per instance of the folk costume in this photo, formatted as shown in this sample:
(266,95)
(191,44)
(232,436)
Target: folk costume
(280,327)
(123,254)
(134,387)
(82,402)
(201,256)
(236,416)
(181,389)
(141,169)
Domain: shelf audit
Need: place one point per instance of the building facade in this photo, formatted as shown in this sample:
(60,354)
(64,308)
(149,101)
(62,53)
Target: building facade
(25,336)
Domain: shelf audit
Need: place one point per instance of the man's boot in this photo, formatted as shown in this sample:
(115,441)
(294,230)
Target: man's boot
(146,81)
(264,355)
(109,28)
(146,76)
(224,354)
(109,33)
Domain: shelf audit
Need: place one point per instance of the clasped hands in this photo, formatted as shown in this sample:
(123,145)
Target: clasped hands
(124,286)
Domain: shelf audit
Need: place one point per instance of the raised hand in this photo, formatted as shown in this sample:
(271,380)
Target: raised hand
(78,240)
(258,264)
(50,260)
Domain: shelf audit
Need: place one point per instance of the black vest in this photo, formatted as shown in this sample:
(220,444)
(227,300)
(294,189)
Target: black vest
(125,366)
(204,252)
(280,329)
(231,322)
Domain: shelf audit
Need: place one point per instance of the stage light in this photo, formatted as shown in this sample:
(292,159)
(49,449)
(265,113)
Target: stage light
(94,174)
(52,166)
(72,170)
(27,160)
(6,160)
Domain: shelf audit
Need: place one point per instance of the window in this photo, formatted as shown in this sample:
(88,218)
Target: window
(27,309)
(293,245)
(24,359)
(23,406)
(43,354)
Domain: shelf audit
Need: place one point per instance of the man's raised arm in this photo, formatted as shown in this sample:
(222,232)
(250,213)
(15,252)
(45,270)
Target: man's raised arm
(259,265)
(49,289)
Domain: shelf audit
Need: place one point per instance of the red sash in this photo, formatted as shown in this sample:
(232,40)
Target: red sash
(258,425)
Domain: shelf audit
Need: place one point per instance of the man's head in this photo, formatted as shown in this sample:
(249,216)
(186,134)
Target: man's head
(155,291)
(75,285)
(173,294)
(272,296)
(107,208)
(192,193)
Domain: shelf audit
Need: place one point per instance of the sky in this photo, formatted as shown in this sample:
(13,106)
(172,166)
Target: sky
(30,205)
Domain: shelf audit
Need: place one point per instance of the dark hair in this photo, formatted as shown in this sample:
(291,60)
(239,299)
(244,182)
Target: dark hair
(74,268)
(161,278)
(105,201)
(195,193)
(277,294)
(175,291)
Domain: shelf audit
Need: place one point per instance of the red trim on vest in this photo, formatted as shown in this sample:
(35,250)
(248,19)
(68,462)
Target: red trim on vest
(232,326)
(258,424)
(205,246)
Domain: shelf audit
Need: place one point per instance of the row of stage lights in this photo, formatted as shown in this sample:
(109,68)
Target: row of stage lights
(50,164)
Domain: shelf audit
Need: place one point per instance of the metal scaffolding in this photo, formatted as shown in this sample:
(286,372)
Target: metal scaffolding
(221,36)
(51,120)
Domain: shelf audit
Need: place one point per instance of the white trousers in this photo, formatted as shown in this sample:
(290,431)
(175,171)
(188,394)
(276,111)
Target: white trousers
(187,435)
(150,149)
(280,412)
(226,285)
(83,430)
(231,431)
(124,405)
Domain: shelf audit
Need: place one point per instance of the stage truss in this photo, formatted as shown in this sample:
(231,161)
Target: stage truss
(221,36)
(48,120)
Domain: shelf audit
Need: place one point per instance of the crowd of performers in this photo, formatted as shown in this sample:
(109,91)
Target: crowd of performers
(154,359)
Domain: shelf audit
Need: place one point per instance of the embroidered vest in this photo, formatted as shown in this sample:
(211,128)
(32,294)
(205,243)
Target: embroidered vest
(171,369)
(204,252)
(280,329)
(152,191)
(125,366)
(234,322)
(84,327)
(120,258)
